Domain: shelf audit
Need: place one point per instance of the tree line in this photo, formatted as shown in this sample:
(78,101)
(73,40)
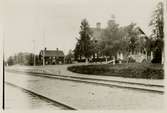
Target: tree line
(23,58)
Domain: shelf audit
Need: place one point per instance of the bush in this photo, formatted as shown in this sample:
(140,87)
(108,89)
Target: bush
(81,60)
(131,60)
(99,59)
(131,70)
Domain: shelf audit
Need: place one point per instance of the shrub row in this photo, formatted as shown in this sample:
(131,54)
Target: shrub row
(140,71)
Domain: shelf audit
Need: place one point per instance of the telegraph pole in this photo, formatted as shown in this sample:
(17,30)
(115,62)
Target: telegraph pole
(34,52)
(3,78)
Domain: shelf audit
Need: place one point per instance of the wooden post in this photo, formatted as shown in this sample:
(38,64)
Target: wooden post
(151,55)
(162,59)
(86,60)
(44,57)
(106,59)
(114,60)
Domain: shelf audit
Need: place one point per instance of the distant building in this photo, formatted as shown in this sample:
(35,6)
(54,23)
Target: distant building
(52,56)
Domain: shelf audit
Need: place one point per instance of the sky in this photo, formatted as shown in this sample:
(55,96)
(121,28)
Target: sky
(56,23)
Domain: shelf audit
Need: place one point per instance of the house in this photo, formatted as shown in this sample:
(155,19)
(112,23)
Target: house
(52,56)
(140,54)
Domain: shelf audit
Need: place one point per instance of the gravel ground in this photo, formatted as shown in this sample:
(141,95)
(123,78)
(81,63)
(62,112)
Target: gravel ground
(25,100)
(88,96)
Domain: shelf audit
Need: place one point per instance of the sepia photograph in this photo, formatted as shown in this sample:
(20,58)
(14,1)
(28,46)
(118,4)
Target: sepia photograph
(83,55)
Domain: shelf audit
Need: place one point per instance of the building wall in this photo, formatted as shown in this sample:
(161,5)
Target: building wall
(54,60)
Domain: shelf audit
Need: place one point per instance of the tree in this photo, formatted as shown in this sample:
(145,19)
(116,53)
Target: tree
(69,57)
(30,59)
(123,44)
(10,61)
(132,37)
(22,58)
(157,24)
(84,46)
(77,50)
(96,48)
(110,39)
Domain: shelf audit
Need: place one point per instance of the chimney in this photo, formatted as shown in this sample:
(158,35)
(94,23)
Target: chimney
(98,25)
(57,49)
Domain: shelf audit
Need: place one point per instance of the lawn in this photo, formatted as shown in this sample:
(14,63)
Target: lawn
(131,70)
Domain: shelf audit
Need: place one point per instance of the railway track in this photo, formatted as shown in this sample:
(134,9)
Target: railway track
(46,99)
(109,83)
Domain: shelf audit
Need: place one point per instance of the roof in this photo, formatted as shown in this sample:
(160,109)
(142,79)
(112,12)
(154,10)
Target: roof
(142,32)
(53,53)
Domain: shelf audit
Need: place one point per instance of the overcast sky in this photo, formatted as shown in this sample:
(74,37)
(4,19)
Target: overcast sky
(59,20)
